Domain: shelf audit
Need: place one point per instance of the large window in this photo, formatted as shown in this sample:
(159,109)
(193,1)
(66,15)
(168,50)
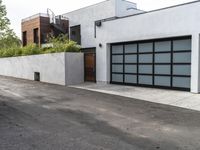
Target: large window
(36,36)
(75,34)
(24,38)
(161,63)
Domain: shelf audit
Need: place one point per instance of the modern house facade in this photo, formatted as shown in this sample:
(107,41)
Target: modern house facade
(125,45)
(158,48)
(83,23)
(85,18)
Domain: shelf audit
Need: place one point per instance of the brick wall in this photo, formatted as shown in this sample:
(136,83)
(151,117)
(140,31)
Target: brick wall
(44,28)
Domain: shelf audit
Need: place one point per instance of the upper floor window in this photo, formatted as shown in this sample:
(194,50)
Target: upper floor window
(36,36)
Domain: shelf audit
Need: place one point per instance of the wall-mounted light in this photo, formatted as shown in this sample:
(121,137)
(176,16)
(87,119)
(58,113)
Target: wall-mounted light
(98,23)
(100,45)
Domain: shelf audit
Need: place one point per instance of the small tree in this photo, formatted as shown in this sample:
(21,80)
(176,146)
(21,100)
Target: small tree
(7,37)
(4,21)
(62,43)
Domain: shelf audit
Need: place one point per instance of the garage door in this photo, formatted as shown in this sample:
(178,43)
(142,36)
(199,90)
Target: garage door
(164,63)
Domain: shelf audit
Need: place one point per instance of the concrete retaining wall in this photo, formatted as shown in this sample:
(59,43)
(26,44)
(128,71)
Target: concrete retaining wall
(58,68)
(74,68)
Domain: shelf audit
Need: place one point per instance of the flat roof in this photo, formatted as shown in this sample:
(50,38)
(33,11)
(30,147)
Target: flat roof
(146,12)
(95,5)
(35,16)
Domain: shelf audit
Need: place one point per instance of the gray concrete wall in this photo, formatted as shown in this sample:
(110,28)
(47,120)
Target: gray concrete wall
(53,68)
(74,68)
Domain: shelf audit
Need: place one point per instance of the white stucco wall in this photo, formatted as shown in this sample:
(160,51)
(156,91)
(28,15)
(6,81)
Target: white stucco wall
(87,16)
(125,8)
(171,22)
(53,68)
(74,64)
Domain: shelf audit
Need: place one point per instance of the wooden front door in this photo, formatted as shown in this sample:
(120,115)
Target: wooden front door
(90,67)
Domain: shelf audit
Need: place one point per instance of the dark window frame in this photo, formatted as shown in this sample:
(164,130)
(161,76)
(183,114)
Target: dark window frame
(24,38)
(79,35)
(36,35)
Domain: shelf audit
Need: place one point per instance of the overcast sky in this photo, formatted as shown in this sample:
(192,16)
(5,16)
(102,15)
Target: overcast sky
(19,9)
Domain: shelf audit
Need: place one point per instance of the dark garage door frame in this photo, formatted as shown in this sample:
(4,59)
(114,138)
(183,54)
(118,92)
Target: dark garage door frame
(172,53)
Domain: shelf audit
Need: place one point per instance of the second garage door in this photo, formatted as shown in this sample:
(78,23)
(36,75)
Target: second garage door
(159,63)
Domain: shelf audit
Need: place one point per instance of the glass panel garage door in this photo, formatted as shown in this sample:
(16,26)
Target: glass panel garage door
(159,63)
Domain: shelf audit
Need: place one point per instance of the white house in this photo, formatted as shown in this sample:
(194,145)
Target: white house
(83,20)
(159,48)
(128,46)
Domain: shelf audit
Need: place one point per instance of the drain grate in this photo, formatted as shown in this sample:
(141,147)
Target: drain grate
(36,76)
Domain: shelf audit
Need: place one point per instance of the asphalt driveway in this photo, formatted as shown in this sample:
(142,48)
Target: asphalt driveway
(37,116)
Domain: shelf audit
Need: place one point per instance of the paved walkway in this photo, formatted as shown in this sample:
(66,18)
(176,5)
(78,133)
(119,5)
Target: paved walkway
(170,97)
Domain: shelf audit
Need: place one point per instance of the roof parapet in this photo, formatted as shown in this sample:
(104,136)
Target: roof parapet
(35,16)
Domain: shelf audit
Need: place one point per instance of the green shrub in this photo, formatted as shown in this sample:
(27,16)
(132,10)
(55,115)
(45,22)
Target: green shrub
(9,52)
(9,45)
(63,44)
(59,44)
(18,51)
(31,49)
(72,46)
